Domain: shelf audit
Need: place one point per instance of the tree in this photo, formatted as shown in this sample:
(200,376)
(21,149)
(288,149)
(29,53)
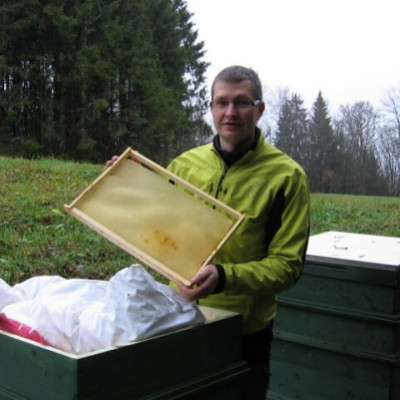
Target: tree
(344,160)
(391,105)
(389,141)
(321,167)
(292,134)
(274,100)
(195,97)
(389,158)
(359,127)
(23,63)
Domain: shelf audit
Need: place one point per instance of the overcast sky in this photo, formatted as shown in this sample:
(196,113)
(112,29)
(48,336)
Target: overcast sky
(348,49)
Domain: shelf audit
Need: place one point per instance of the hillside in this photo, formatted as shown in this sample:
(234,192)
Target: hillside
(37,237)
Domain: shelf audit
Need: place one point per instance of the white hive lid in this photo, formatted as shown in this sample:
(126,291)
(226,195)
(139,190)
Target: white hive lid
(356,247)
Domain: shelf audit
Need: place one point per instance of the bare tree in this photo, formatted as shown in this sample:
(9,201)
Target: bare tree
(274,99)
(389,157)
(359,124)
(391,109)
(389,141)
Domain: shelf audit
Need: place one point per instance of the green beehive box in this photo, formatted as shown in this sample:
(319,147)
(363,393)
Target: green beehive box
(201,362)
(337,332)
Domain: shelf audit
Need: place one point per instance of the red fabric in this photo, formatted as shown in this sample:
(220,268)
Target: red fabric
(16,328)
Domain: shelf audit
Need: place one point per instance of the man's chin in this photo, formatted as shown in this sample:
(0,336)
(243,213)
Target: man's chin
(231,141)
(231,135)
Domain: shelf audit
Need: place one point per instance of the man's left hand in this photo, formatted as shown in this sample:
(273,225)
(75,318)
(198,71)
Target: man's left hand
(202,285)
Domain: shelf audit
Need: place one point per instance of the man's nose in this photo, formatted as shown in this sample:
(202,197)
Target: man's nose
(231,109)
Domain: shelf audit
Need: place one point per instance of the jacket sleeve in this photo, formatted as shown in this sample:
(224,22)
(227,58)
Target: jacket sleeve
(286,234)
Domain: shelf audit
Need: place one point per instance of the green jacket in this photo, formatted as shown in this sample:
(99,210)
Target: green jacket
(266,254)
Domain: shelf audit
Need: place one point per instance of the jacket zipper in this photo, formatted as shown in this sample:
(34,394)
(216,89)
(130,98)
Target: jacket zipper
(219,186)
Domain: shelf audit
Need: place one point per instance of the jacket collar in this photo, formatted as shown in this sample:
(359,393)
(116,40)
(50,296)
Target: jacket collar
(232,157)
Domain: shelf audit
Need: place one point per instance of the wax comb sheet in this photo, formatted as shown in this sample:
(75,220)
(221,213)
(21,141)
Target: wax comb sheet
(163,221)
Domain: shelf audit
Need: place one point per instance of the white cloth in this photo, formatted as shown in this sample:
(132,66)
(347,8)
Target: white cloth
(82,315)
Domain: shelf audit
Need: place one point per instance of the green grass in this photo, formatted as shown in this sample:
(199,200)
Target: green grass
(359,214)
(37,237)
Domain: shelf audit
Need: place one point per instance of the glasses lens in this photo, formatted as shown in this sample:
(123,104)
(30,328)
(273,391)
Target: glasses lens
(238,104)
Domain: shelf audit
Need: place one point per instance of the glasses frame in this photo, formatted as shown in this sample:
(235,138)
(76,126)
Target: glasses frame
(238,104)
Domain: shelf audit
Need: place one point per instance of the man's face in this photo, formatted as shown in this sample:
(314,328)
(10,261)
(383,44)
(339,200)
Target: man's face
(234,124)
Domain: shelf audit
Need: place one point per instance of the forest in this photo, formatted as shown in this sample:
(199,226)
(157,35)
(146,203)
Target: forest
(357,151)
(84,79)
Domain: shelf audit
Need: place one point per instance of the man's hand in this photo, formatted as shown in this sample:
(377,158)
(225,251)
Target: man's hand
(110,162)
(202,285)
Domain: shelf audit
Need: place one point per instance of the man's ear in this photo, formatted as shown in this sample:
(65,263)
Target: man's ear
(261,108)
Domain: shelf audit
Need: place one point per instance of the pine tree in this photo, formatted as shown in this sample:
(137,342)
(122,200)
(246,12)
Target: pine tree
(292,134)
(321,165)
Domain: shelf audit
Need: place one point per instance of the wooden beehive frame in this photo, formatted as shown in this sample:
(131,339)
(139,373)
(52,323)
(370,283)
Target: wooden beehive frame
(131,248)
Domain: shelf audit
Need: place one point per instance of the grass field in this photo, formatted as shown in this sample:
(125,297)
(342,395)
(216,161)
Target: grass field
(37,237)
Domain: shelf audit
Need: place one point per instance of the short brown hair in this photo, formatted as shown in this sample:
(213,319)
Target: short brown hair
(236,74)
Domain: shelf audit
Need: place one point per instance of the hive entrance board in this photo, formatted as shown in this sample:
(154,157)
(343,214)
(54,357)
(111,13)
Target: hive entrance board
(160,219)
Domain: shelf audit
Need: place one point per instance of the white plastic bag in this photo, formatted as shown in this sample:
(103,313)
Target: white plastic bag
(81,315)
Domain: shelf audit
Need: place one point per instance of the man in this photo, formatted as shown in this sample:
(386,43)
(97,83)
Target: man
(266,254)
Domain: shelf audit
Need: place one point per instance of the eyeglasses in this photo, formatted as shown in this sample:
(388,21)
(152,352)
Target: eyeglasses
(221,105)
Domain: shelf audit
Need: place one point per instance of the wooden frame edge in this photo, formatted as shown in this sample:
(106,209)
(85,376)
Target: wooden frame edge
(129,247)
